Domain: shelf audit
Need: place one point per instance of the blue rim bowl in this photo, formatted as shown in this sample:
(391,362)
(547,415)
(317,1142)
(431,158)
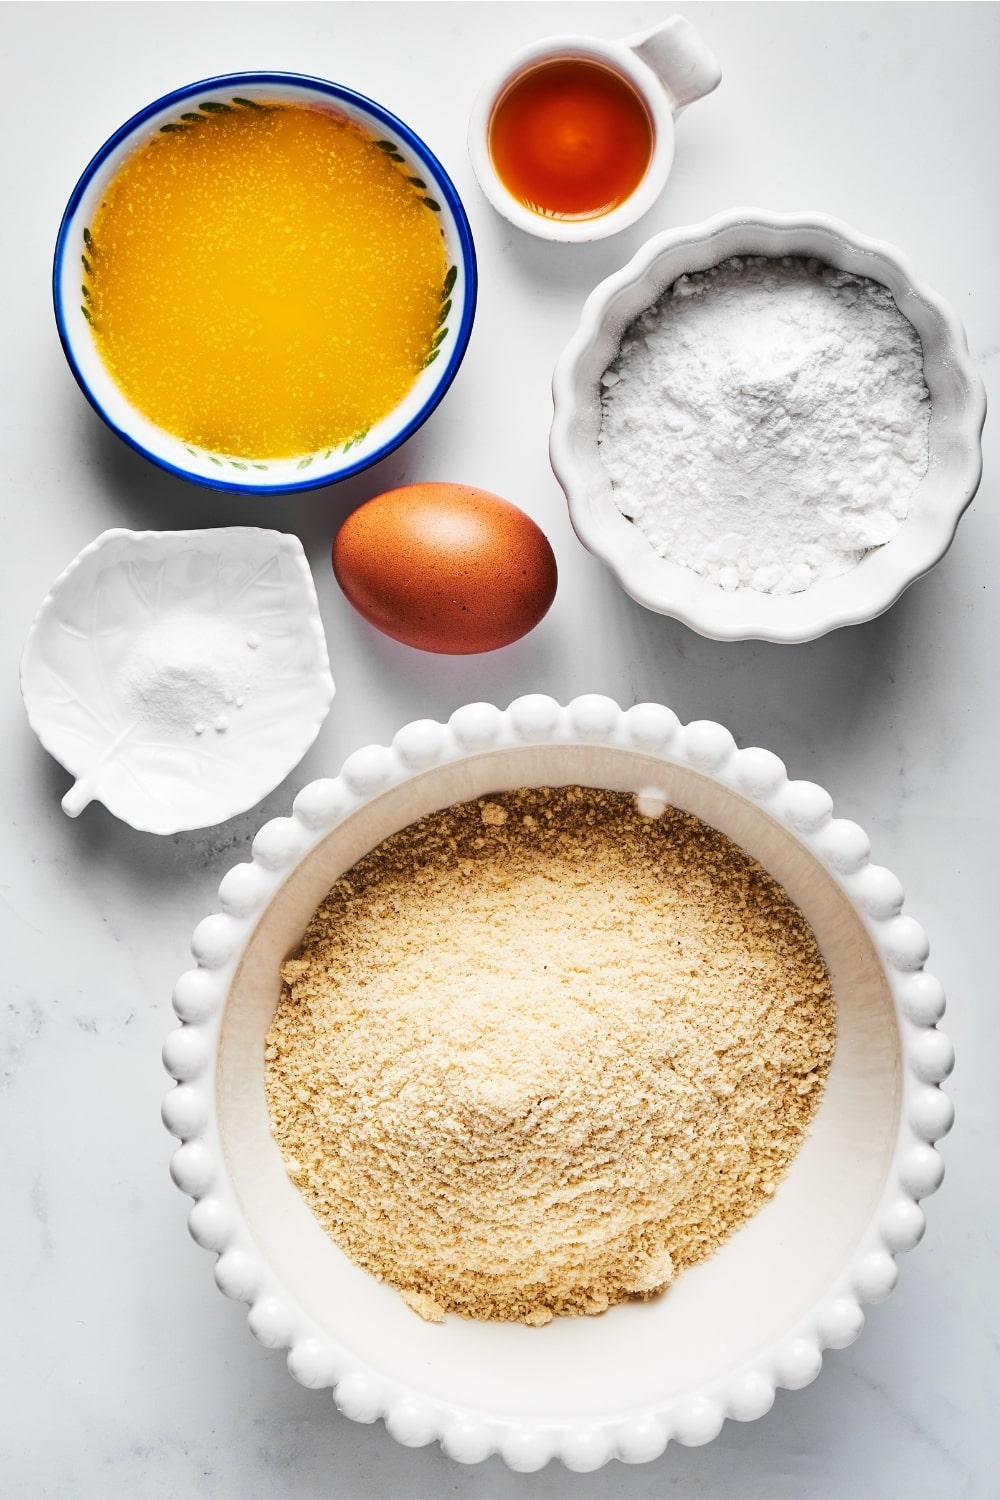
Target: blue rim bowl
(221,471)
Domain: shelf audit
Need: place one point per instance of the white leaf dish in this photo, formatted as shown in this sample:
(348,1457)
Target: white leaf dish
(178,675)
(758,1314)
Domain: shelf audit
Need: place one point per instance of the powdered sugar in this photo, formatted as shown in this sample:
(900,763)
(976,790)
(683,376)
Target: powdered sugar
(766,422)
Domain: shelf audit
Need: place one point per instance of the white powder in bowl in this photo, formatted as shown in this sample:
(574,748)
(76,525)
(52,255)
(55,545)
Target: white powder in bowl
(765,423)
(189,672)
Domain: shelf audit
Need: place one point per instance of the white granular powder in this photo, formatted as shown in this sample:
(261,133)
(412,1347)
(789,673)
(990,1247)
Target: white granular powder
(189,672)
(765,423)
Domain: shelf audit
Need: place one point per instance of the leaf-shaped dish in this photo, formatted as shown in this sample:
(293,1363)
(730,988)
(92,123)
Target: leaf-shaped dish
(178,675)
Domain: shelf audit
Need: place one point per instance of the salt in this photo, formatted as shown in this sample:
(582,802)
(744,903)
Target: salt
(187,671)
(765,424)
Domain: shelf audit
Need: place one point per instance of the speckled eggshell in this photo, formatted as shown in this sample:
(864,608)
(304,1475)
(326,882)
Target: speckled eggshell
(445,567)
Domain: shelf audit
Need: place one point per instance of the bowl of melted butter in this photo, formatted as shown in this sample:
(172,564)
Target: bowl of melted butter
(302,307)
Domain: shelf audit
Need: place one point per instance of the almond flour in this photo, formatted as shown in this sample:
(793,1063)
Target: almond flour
(538,1053)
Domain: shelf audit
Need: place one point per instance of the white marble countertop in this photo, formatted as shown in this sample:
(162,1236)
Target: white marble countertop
(126,1374)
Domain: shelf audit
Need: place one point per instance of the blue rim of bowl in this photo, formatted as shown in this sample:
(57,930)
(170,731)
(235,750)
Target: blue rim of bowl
(384,117)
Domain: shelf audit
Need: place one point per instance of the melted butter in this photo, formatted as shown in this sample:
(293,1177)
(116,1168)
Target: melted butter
(265,283)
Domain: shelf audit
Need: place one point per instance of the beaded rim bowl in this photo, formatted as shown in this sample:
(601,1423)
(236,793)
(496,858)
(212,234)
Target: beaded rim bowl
(958,411)
(757,1315)
(221,471)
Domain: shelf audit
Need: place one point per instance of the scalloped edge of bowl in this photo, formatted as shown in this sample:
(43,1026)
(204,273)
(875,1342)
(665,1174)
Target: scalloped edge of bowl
(411,1417)
(667,588)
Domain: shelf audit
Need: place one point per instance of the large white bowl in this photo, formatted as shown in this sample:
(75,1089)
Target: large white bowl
(221,471)
(958,410)
(756,1316)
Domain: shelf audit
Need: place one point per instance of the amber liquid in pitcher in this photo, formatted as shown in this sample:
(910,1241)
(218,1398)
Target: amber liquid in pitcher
(570,139)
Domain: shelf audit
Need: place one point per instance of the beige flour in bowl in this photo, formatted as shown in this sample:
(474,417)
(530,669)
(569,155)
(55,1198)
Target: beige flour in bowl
(537,1053)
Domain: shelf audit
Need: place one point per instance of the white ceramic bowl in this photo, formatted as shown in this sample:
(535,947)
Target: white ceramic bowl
(219,470)
(756,1316)
(958,410)
(179,675)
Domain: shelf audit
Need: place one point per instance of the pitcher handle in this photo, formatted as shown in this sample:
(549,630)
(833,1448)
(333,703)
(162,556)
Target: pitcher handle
(685,66)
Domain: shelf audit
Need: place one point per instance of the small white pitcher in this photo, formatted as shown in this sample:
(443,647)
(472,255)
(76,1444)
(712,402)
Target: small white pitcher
(668,66)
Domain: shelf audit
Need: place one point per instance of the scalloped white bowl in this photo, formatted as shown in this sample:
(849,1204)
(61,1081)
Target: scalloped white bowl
(758,1315)
(958,411)
(184,606)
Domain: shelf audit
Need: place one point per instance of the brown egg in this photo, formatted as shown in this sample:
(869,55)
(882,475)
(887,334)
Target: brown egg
(445,567)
